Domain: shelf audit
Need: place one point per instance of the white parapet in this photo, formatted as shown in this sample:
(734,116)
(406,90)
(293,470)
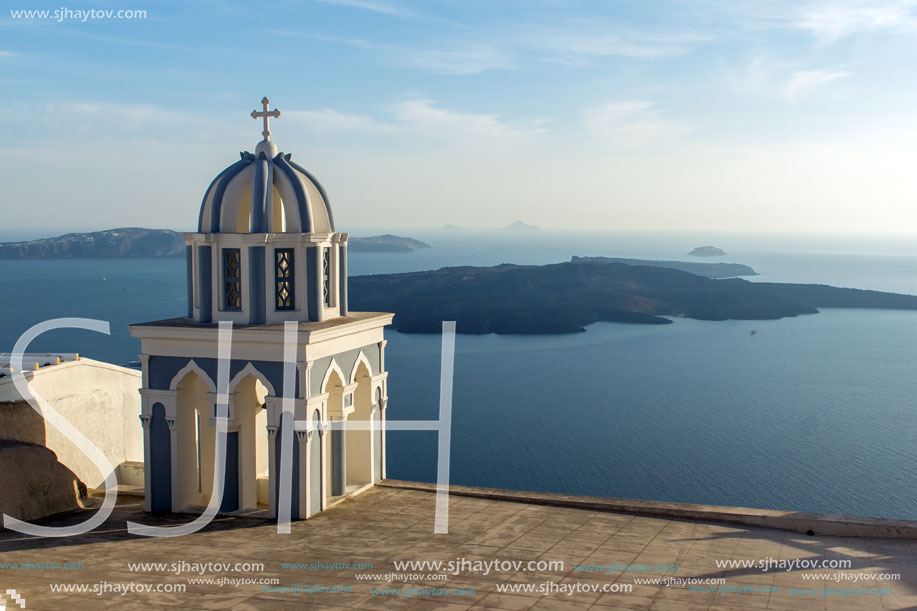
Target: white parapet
(100,399)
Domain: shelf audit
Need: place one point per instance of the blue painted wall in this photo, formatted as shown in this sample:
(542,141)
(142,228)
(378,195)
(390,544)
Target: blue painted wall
(189,281)
(204,269)
(163,368)
(338,462)
(345,361)
(256,285)
(262,191)
(313,283)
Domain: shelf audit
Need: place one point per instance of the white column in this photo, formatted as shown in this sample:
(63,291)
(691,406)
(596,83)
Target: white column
(372,440)
(305,379)
(307,479)
(303,438)
(384,404)
(319,279)
(147,461)
(272,470)
(325,470)
(173,466)
(334,271)
(145,369)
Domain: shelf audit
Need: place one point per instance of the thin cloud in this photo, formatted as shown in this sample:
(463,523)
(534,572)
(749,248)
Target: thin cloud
(576,43)
(423,114)
(131,115)
(573,43)
(385,8)
(827,20)
(831,22)
(763,76)
(133,42)
(632,123)
(418,118)
(342,40)
(327,119)
(462,60)
(804,82)
(756,76)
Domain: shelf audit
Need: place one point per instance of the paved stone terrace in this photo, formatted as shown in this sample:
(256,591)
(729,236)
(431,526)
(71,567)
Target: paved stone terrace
(387,524)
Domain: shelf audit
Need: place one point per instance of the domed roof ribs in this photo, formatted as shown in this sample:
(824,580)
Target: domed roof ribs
(267,205)
(292,180)
(200,218)
(237,196)
(262,193)
(217,203)
(320,190)
(305,210)
(289,201)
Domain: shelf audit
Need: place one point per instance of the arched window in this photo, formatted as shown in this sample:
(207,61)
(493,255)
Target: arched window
(326,276)
(283,279)
(232,279)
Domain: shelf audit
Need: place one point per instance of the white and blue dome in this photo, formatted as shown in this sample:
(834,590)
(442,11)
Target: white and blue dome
(265,192)
(266,250)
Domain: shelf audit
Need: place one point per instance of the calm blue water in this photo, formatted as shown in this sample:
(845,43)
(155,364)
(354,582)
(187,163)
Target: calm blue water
(814,413)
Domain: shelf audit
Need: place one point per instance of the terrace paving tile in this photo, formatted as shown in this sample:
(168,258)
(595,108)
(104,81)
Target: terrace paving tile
(384,525)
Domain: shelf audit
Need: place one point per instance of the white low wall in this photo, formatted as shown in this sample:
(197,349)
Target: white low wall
(99,399)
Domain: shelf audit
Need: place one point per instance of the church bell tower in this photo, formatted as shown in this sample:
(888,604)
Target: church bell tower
(265,256)
(266,250)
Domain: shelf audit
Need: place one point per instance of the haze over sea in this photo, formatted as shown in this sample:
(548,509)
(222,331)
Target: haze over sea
(814,413)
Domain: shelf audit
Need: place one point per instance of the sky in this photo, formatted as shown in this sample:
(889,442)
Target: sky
(709,115)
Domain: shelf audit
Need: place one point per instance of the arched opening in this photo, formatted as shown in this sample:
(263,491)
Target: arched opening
(251,414)
(196,442)
(359,439)
(335,452)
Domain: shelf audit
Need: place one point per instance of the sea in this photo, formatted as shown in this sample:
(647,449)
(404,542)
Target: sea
(813,413)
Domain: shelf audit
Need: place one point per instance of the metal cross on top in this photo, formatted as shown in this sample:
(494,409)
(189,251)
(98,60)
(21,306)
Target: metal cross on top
(265,114)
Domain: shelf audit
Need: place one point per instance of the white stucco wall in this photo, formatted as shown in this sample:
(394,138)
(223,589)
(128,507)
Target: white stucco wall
(101,400)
